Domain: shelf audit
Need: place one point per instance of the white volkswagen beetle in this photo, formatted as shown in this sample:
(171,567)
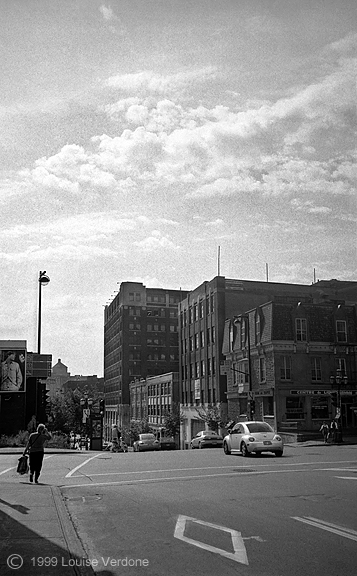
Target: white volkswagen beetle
(248,437)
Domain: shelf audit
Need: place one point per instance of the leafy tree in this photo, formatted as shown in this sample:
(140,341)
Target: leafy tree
(136,427)
(212,416)
(173,419)
(66,411)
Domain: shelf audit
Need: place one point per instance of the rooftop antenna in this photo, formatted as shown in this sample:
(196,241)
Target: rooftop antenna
(219,261)
(314,275)
(267,271)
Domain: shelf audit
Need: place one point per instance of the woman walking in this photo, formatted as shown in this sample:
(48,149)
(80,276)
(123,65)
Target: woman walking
(35,448)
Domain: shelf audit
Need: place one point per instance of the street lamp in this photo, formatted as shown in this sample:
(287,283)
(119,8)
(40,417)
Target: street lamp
(336,398)
(43,280)
(244,318)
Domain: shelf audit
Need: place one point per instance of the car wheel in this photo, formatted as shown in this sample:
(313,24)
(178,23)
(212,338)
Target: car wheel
(244,450)
(226,449)
(278,453)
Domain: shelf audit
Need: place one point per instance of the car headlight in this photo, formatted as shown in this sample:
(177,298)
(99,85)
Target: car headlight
(278,438)
(251,439)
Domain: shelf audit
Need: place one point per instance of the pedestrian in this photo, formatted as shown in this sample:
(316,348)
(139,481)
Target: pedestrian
(324,431)
(35,448)
(333,431)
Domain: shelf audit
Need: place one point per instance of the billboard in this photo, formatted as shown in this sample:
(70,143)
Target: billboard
(13,370)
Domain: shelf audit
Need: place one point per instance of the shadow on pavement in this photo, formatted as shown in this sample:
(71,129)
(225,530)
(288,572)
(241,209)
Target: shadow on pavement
(23,551)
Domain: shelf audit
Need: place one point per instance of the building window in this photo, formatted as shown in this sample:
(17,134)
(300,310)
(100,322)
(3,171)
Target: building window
(195,315)
(191,343)
(285,368)
(301,333)
(213,366)
(262,369)
(197,370)
(316,369)
(209,367)
(202,339)
(190,317)
(319,408)
(212,304)
(340,364)
(242,334)
(201,309)
(208,336)
(208,305)
(341,331)
(294,408)
(203,371)
(196,342)
(257,327)
(243,374)
(213,335)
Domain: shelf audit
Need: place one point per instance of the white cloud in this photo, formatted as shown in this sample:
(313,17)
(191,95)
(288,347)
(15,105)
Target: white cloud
(156,242)
(106,12)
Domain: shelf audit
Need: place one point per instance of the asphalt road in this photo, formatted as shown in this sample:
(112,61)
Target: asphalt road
(203,513)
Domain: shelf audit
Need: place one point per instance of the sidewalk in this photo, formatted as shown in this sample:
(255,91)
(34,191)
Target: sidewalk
(347,441)
(37,537)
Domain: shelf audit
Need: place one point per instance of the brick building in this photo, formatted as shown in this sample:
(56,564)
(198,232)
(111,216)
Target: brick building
(296,350)
(140,340)
(202,316)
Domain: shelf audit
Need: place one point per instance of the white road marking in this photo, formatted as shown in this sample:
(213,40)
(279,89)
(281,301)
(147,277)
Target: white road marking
(240,553)
(334,528)
(346,477)
(14,467)
(168,478)
(71,472)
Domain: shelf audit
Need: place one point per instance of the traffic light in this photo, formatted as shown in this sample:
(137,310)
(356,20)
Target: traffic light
(101,407)
(334,399)
(252,406)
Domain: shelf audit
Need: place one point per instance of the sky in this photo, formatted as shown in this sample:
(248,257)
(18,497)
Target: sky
(138,136)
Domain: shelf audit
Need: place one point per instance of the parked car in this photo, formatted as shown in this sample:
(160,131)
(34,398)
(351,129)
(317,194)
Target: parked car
(206,439)
(146,442)
(248,437)
(167,443)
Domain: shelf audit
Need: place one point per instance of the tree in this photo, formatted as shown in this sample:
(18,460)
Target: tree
(212,416)
(173,419)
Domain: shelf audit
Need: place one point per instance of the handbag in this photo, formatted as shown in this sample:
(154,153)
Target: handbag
(23,465)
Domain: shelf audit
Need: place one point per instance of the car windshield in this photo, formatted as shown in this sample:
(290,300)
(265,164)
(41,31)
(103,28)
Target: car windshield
(259,427)
(147,437)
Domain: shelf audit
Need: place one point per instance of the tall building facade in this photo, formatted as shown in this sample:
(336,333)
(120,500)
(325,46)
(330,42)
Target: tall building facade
(140,340)
(202,315)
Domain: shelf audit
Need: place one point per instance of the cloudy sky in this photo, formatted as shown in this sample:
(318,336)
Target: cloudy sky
(137,136)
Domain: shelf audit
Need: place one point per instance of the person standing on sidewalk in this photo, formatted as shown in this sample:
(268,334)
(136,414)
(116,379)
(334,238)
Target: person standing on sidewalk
(324,431)
(35,448)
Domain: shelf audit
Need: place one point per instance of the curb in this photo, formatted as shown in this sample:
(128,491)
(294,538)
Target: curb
(70,535)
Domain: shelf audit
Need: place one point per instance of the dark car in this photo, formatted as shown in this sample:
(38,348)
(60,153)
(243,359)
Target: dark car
(146,442)
(167,443)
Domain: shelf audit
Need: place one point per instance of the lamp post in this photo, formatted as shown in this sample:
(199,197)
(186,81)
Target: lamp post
(251,402)
(336,400)
(43,280)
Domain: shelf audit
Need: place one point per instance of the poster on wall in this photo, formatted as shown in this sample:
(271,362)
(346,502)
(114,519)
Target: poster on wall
(13,370)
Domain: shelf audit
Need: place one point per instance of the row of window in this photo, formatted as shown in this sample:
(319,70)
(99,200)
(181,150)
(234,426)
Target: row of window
(155,298)
(301,330)
(198,340)
(198,369)
(159,389)
(241,369)
(197,311)
(189,397)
